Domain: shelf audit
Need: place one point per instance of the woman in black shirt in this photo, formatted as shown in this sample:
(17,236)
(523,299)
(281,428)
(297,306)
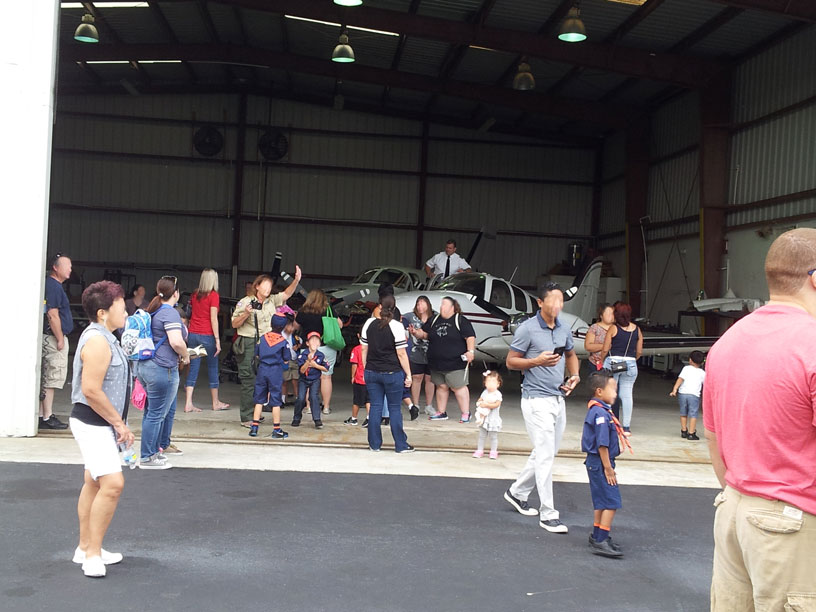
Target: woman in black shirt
(387,371)
(310,318)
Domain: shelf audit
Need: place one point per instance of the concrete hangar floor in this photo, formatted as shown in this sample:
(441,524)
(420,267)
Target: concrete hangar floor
(320,523)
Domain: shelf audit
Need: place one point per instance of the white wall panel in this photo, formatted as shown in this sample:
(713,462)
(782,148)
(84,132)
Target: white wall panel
(614,155)
(324,249)
(346,151)
(127,236)
(613,207)
(511,161)
(140,183)
(775,158)
(117,136)
(779,77)
(329,194)
(266,111)
(508,205)
(215,108)
(676,125)
(674,188)
(674,280)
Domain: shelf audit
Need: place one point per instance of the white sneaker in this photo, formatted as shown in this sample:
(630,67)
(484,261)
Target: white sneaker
(108,558)
(156,462)
(430,410)
(94,568)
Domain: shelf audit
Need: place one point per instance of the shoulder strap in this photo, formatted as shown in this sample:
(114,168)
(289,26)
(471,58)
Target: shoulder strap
(434,320)
(156,346)
(456,320)
(257,335)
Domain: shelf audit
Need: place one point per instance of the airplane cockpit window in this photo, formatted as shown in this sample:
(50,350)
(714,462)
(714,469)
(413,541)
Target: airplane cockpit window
(389,276)
(500,294)
(365,277)
(403,282)
(474,284)
(522,305)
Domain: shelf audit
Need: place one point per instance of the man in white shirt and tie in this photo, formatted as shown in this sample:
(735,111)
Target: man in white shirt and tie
(447,262)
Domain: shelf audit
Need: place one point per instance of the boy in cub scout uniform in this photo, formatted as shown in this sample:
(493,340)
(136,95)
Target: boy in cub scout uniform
(274,353)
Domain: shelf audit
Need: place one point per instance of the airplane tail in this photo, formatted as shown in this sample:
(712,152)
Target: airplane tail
(581,299)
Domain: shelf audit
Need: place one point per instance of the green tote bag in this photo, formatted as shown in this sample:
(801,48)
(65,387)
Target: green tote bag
(332,336)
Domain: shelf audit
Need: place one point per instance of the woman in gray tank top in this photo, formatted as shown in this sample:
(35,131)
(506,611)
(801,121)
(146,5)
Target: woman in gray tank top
(100,395)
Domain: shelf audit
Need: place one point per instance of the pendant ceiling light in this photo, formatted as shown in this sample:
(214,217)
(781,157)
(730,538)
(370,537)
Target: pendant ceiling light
(573,29)
(348,2)
(524,80)
(343,53)
(86,31)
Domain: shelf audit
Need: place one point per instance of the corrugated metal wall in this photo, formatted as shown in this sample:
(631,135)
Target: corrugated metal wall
(775,156)
(118,154)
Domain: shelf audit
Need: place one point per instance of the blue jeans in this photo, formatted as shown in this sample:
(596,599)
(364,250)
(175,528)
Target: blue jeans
(208,342)
(161,385)
(313,387)
(626,381)
(382,385)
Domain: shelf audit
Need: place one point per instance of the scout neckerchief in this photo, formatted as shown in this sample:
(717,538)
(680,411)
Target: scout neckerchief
(622,437)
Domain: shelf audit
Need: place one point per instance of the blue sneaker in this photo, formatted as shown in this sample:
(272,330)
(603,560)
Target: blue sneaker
(278,434)
(465,418)
(253,430)
(439,416)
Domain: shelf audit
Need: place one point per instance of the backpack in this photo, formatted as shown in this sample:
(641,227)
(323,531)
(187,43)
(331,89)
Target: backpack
(137,337)
(455,320)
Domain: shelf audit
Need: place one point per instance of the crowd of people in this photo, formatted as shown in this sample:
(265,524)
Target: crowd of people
(760,422)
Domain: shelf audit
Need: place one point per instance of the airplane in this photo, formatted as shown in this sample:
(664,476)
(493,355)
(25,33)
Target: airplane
(496,307)
(401,278)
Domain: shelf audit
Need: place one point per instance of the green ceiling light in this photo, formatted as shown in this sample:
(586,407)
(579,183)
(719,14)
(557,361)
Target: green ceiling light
(343,53)
(524,80)
(348,2)
(573,29)
(86,31)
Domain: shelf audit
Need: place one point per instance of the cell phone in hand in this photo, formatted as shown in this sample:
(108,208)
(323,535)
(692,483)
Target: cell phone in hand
(559,350)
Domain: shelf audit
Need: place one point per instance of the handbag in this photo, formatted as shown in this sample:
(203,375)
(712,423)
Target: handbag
(332,336)
(616,367)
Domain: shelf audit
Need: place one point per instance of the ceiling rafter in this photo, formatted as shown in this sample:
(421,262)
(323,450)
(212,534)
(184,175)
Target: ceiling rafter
(637,17)
(395,61)
(212,32)
(689,72)
(803,10)
(457,52)
(533,102)
(112,34)
(698,35)
(159,15)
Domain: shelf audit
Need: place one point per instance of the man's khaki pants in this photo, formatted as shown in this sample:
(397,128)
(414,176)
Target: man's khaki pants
(764,555)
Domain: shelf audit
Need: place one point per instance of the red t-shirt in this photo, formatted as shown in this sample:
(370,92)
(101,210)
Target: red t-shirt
(760,399)
(357,357)
(200,319)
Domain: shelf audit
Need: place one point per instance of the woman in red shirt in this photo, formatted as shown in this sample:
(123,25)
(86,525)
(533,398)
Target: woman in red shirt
(204,331)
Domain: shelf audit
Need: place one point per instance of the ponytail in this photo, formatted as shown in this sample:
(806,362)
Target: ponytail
(165,289)
(387,305)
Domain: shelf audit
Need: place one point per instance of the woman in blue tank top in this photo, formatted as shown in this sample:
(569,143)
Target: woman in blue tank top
(623,343)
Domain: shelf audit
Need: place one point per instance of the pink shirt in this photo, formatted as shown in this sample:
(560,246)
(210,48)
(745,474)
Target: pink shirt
(760,399)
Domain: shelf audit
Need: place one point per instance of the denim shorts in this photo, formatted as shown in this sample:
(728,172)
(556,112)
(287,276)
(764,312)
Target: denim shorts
(689,405)
(604,495)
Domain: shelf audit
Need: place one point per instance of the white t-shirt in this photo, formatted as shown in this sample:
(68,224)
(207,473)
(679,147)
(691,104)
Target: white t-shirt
(693,379)
(438,262)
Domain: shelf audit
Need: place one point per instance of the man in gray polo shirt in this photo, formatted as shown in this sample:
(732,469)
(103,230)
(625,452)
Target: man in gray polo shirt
(537,349)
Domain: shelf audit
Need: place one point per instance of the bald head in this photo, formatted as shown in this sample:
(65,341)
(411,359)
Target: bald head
(789,260)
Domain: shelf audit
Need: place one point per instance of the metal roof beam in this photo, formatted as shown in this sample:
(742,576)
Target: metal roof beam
(158,14)
(683,71)
(533,102)
(803,10)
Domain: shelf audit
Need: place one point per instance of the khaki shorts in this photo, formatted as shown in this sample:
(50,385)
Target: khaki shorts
(54,363)
(292,373)
(455,379)
(764,554)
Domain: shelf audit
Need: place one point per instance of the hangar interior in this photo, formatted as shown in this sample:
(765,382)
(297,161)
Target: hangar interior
(677,140)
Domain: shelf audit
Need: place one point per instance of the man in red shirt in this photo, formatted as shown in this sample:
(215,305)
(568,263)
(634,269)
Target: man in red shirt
(759,405)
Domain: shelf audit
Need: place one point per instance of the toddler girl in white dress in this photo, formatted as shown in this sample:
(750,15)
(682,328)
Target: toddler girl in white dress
(487,414)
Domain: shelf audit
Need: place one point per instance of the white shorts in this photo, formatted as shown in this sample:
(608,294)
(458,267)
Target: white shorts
(98,447)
